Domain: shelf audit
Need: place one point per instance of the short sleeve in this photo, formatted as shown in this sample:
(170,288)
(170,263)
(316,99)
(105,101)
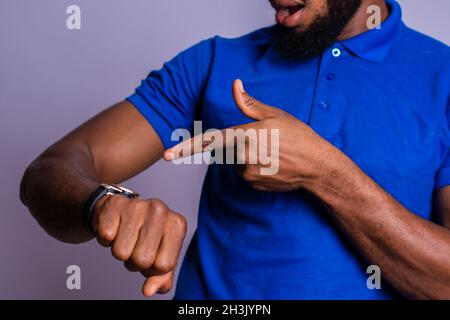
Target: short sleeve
(169,97)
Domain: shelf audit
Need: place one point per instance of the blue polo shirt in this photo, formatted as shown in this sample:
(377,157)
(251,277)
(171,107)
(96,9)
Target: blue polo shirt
(383,98)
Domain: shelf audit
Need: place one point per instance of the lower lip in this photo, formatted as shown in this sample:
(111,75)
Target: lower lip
(287,20)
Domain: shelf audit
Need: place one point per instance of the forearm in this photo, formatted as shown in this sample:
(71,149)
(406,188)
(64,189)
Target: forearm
(55,187)
(111,147)
(413,254)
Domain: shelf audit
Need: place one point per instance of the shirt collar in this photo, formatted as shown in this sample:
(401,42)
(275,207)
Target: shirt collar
(375,44)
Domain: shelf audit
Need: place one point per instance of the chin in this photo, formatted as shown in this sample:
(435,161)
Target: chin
(300,28)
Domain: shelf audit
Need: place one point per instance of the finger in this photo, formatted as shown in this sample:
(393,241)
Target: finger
(171,244)
(251,107)
(216,140)
(150,235)
(158,284)
(106,221)
(198,144)
(131,220)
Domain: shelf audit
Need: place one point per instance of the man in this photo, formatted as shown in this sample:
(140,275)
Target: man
(363,128)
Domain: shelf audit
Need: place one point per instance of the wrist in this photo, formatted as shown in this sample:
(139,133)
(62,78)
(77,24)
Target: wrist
(347,191)
(334,176)
(99,204)
(97,199)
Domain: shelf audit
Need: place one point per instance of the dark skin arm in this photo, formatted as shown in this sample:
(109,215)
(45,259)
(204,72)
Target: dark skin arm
(112,147)
(413,253)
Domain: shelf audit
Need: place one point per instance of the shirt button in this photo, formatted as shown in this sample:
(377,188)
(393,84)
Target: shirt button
(336,52)
(323,105)
(331,76)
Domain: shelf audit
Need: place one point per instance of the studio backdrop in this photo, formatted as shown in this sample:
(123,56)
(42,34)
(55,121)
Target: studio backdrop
(53,78)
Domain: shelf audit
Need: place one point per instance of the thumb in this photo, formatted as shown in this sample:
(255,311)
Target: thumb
(249,106)
(158,284)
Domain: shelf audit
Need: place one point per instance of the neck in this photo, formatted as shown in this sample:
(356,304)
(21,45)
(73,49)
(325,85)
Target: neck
(358,24)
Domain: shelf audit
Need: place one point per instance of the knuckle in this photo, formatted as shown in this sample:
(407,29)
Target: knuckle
(249,101)
(158,208)
(120,253)
(105,233)
(179,222)
(139,205)
(163,266)
(143,261)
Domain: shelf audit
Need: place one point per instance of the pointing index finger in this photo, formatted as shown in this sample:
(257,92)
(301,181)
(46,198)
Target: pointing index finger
(212,140)
(198,144)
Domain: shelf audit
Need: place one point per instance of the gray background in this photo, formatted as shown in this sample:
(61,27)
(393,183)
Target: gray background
(52,79)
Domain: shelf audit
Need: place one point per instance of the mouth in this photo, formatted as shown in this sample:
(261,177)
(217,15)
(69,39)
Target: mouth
(288,12)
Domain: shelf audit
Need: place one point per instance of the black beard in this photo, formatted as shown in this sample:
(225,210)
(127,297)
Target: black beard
(323,32)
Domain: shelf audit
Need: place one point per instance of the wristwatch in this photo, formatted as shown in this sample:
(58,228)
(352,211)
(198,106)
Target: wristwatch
(103,190)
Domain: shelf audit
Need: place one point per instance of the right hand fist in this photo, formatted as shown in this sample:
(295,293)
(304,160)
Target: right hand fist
(145,234)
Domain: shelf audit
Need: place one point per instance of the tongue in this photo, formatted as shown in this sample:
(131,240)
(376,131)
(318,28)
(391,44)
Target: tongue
(283,14)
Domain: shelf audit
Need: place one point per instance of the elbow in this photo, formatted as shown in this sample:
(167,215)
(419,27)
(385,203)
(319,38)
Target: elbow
(29,192)
(37,177)
(24,189)
(33,180)
(31,198)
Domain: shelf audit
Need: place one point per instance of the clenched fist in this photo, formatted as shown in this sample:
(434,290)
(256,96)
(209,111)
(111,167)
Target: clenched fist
(145,234)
